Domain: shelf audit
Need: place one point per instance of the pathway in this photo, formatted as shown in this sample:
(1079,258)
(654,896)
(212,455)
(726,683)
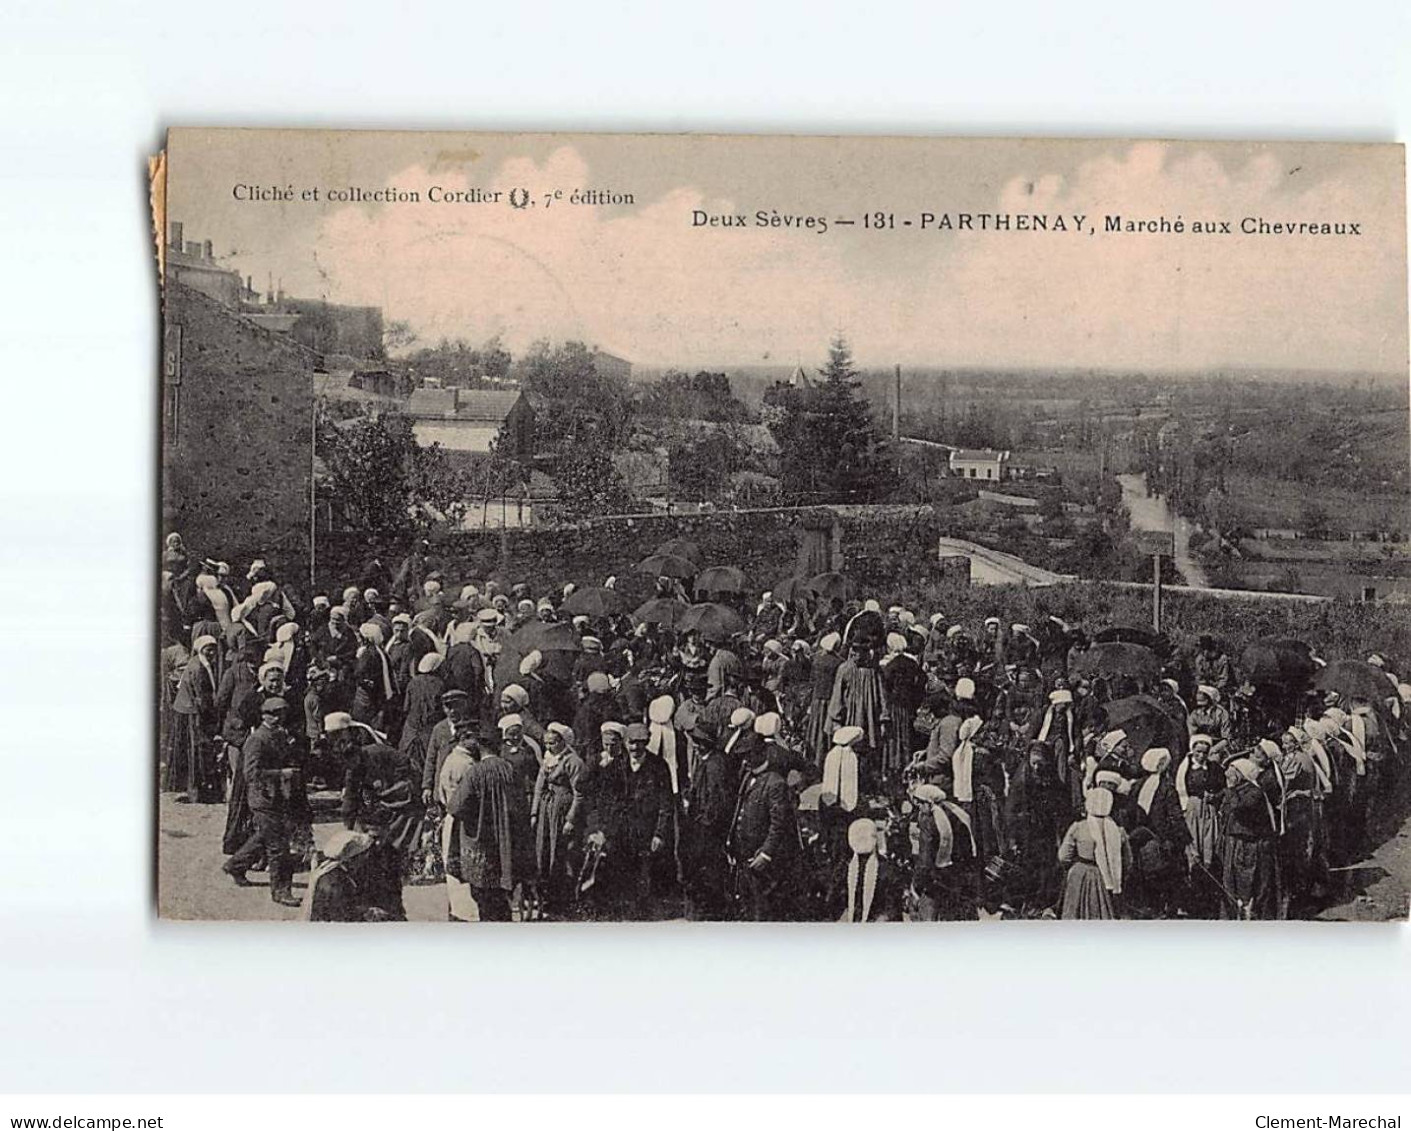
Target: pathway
(1150,512)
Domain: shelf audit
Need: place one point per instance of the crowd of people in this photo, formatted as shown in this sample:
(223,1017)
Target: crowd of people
(796,756)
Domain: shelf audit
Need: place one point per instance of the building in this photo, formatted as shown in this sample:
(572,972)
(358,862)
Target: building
(331,327)
(352,387)
(324,327)
(237,433)
(467,421)
(607,365)
(983,463)
(194,265)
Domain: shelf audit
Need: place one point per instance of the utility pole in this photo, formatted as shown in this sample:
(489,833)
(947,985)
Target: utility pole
(896,410)
(1156,593)
(313,488)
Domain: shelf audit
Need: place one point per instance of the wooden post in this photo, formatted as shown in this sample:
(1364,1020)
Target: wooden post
(1156,593)
(896,410)
(313,492)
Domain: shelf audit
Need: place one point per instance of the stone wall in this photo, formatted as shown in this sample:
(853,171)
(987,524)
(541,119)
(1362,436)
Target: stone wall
(877,546)
(236,434)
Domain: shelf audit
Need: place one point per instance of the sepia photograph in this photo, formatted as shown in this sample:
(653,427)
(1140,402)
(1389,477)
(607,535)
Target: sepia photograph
(585,528)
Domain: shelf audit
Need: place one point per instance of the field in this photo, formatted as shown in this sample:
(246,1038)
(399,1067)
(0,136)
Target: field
(1268,501)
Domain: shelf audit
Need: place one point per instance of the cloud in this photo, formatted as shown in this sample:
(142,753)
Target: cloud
(642,282)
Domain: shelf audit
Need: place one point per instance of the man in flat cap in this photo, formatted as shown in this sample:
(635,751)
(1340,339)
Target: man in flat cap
(458,722)
(272,781)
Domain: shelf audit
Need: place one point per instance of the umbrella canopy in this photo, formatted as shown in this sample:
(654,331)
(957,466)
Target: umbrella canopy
(665,611)
(668,565)
(1118,658)
(536,635)
(714,622)
(1131,634)
(829,585)
(1286,662)
(1356,679)
(721,579)
(1147,724)
(556,643)
(790,588)
(681,548)
(594,601)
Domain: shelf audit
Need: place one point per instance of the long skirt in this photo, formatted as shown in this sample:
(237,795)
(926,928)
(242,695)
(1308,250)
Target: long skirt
(901,742)
(1203,821)
(191,761)
(1085,896)
(949,895)
(239,821)
(1303,849)
(551,847)
(1250,872)
(462,903)
(819,737)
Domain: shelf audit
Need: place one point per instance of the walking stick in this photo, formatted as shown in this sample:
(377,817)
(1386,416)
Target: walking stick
(1239,908)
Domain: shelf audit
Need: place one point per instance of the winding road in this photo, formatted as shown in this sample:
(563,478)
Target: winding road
(1150,512)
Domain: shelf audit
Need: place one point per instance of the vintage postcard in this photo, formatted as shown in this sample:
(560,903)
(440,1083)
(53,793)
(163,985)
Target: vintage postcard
(583,528)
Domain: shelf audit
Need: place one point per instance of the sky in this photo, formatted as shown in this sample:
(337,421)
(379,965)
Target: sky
(640,280)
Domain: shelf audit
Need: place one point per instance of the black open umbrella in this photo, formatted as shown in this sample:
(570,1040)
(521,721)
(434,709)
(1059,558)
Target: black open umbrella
(668,565)
(721,579)
(1147,724)
(542,637)
(1132,634)
(1356,679)
(682,548)
(664,611)
(594,601)
(1117,657)
(1286,663)
(557,644)
(712,621)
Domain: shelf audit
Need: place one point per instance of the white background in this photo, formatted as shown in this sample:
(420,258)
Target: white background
(96,996)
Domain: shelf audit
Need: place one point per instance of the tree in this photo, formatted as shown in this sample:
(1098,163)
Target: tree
(700,469)
(398,335)
(380,480)
(589,484)
(702,396)
(575,404)
(830,448)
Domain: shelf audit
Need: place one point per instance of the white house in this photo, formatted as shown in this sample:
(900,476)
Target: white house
(979,464)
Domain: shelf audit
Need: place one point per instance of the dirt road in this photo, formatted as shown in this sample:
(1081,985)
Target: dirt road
(191,885)
(1150,512)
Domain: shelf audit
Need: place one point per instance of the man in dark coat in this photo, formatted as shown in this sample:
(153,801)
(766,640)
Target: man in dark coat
(705,828)
(333,639)
(764,838)
(464,669)
(458,720)
(496,845)
(630,824)
(268,761)
(421,711)
(242,718)
(645,831)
